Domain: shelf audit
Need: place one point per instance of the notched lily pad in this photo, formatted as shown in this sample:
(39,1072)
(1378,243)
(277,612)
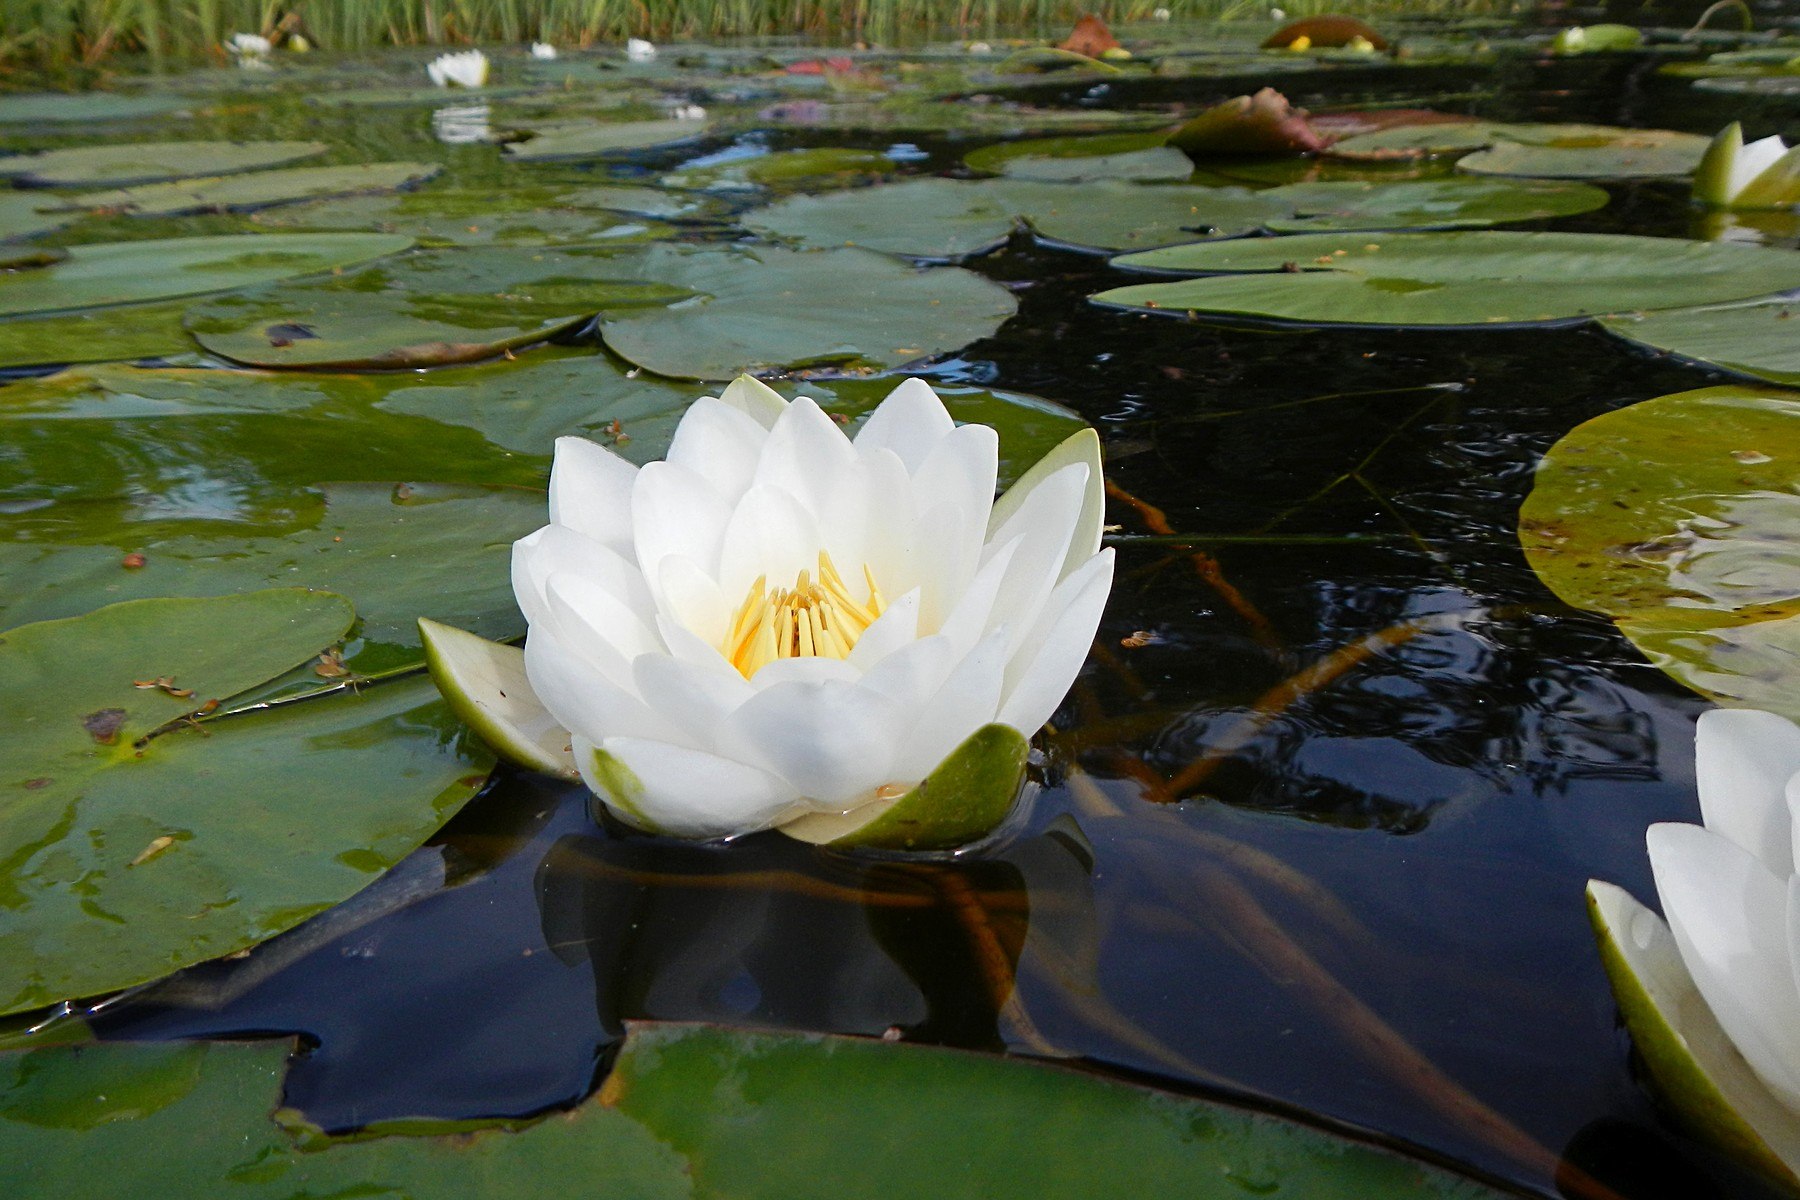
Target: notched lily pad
(260,189)
(1674,517)
(130,272)
(122,859)
(1475,278)
(1761,339)
(859,309)
(149,162)
(425,310)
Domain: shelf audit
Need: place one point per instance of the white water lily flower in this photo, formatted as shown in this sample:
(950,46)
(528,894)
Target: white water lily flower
(1762,174)
(688,112)
(248,46)
(638,50)
(779,620)
(1730,893)
(468,69)
(543,51)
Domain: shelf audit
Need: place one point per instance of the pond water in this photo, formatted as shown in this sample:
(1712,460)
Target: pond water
(1362,900)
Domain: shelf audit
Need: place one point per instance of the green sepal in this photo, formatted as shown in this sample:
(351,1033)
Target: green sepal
(1693,1066)
(1778,186)
(961,801)
(485,686)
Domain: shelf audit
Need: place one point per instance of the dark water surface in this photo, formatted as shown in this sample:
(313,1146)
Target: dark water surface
(1371,910)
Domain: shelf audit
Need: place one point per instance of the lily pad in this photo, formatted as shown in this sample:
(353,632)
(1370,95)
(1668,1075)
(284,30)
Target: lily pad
(1473,278)
(261,189)
(761,309)
(398,550)
(1750,339)
(1690,1061)
(130,272)
(1429,204)
(1115,156)
(812,169)
(688,1110)
(22,214)
(125,859)
(149,162)
(427,309)
(438,216)
(85,108)
(961,801)
(1626,154)
(600,139)
(1674,517)
(400,97)
(123,333)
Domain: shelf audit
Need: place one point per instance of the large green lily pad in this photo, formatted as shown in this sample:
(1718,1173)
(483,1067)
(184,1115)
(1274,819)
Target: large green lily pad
(122,860)
(1625,154)
(1126,216)
(427,309)
(117,334)
(470,216)
(816,169)
(1675,517)
(400,97)
(1135,156)
(130,272)
(22,214)
(260,189)
(761,309)
(1760,339)
(1474,278)
(688,1111)
(149,162)
(85,108)
(399,551)
(597,139)
(1429,203)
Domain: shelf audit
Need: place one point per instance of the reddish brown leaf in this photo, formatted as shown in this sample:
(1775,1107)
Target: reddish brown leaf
(1090,37)
(1246,125)
(1327,30)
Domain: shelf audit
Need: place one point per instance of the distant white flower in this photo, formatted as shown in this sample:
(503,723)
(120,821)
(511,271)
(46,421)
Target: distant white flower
(247,46)
(1278,14)
(462,125)
(980,48)
(468,69)
(1162,14)
(688,112)
(780,620)
(1762,174)
(638,50)
(543,50)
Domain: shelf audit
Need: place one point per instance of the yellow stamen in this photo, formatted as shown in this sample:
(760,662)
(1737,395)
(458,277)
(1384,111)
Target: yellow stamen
(813,619)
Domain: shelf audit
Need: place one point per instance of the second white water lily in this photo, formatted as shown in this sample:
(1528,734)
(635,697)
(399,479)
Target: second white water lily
(1759,174)
(468,69)
(779,620)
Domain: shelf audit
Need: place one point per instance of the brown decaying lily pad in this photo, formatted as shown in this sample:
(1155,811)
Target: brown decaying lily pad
(1328,30)
(1244,125)
(1090,37)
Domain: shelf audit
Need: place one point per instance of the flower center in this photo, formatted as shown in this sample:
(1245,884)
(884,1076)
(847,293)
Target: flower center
(812,619)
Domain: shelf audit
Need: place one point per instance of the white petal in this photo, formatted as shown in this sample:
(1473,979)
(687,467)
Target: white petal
(694,698)
(959,474)
(676,790)
(894,628)
(945,560)
(592,623)
(965,702)
(909,422)
(1729,917)
(1755,158)
(831,741)
(973,617)
(1041,675)
(674,511)
(558,550)
(770,536)
(755,399)
(1083,447)
(803,452)
(892,530)
(1044,525)
(582,699)
(693,599)
(720,443)
(913,673)
(804,670)
(590,492)
(1743,760)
